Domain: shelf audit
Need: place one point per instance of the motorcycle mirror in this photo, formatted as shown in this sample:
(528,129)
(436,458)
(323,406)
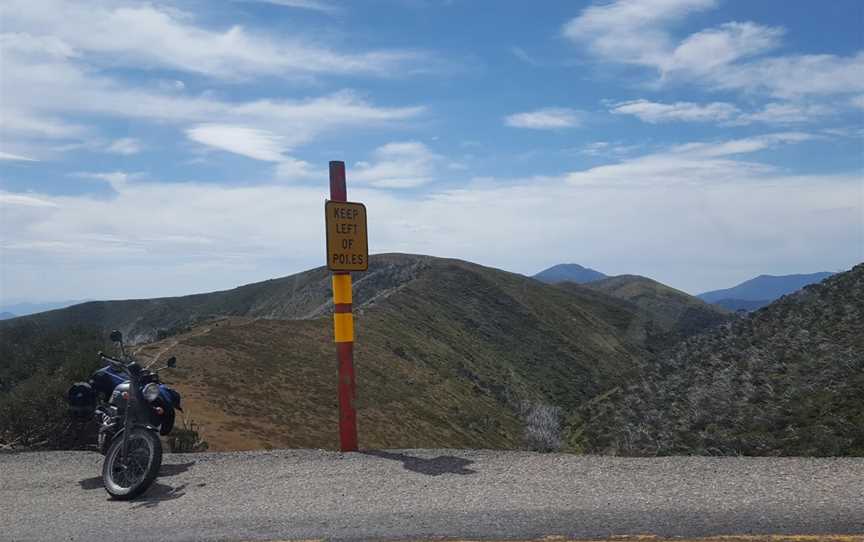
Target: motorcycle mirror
(116,336)
(172,362)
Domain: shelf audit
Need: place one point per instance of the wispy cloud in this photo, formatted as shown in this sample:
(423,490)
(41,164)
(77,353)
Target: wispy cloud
(722,113)
(401,164)
(46,86)
(10,156)
(696,163)
(250,142)
(654,112)
(729,56)
(166,37)
(550,118)
(125,146)
(313,5)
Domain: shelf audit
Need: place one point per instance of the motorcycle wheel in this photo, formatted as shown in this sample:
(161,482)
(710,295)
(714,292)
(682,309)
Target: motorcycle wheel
(127,478)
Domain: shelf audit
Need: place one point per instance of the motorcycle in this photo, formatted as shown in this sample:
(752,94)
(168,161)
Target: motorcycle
(132,407)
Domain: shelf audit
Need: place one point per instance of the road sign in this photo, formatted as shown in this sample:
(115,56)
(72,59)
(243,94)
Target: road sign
(347,243)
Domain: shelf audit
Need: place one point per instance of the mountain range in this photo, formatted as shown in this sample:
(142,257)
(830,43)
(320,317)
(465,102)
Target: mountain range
(450,349)
(760,291)
(448,354)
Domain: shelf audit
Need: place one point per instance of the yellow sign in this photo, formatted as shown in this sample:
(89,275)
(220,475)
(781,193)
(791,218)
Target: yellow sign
(347,244)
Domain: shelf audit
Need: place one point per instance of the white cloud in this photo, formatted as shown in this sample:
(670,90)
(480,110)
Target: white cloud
(24,200)
(292,169)
(550,118)
(654,112)
(786,113)
(405,164)
(721,112)
(313,5)
(795,76)
(45,86)
(631,31)
(638,32)
(125,146)
(10,156)
(703,52)
(154,36)
(607,148)
(697,163)
(250,142)
(858,101)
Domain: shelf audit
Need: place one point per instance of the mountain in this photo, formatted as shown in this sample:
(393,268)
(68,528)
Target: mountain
(6,315)
(672,314)
(568,272)
(25,308)
(448,354)
(760,291)
(785,380)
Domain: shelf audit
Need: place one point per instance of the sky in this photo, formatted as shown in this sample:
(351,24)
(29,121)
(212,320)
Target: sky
(166,148)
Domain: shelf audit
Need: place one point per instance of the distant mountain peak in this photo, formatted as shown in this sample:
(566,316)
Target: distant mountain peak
(761,290)
(569,272)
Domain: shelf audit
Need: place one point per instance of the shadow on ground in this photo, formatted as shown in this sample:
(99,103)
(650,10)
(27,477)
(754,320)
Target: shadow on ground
(159,493)
(443,464)
(175,469)
(165,470)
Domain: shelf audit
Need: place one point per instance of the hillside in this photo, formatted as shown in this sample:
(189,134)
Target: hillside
(671,314)
(568,272)
(787,380)
(760,291)
(447,360)
(447,351)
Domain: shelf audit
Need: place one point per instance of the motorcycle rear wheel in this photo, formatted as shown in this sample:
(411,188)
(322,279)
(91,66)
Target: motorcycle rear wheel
(126,478)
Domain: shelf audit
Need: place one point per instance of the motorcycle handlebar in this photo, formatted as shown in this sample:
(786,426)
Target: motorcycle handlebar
(110,359)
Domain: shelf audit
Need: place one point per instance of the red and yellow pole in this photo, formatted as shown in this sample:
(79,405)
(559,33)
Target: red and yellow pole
(343,330)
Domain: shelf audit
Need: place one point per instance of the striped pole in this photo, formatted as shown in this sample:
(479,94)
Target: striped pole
(343,330)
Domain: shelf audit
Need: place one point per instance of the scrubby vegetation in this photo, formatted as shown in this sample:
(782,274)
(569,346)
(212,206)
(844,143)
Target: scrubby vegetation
(787,380)
(542,426)
(37,365)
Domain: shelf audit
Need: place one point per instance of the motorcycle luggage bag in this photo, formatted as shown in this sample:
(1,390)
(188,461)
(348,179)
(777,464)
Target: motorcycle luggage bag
(82,400)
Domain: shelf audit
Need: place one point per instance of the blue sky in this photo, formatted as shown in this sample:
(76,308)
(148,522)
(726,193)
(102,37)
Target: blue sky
(164,148)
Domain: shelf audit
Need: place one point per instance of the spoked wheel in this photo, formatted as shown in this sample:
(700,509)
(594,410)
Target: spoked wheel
(127,477)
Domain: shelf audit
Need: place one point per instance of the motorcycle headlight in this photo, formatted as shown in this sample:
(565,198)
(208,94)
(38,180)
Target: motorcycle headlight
(151,391)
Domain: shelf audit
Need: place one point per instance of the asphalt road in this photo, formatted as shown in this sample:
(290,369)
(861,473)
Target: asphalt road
(414,494)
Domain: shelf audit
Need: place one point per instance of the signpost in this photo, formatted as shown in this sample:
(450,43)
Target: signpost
(347,250)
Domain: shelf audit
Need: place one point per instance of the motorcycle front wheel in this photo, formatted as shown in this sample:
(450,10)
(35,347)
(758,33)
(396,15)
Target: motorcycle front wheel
(127,477)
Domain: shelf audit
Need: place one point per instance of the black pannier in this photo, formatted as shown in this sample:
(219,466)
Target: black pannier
(82,400)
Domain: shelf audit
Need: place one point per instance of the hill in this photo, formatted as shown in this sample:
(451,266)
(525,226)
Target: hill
(760,291)
(6,315)
(568,272)
(448,359)
(301,296)
(786,380)
(448,354)
(671,314)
